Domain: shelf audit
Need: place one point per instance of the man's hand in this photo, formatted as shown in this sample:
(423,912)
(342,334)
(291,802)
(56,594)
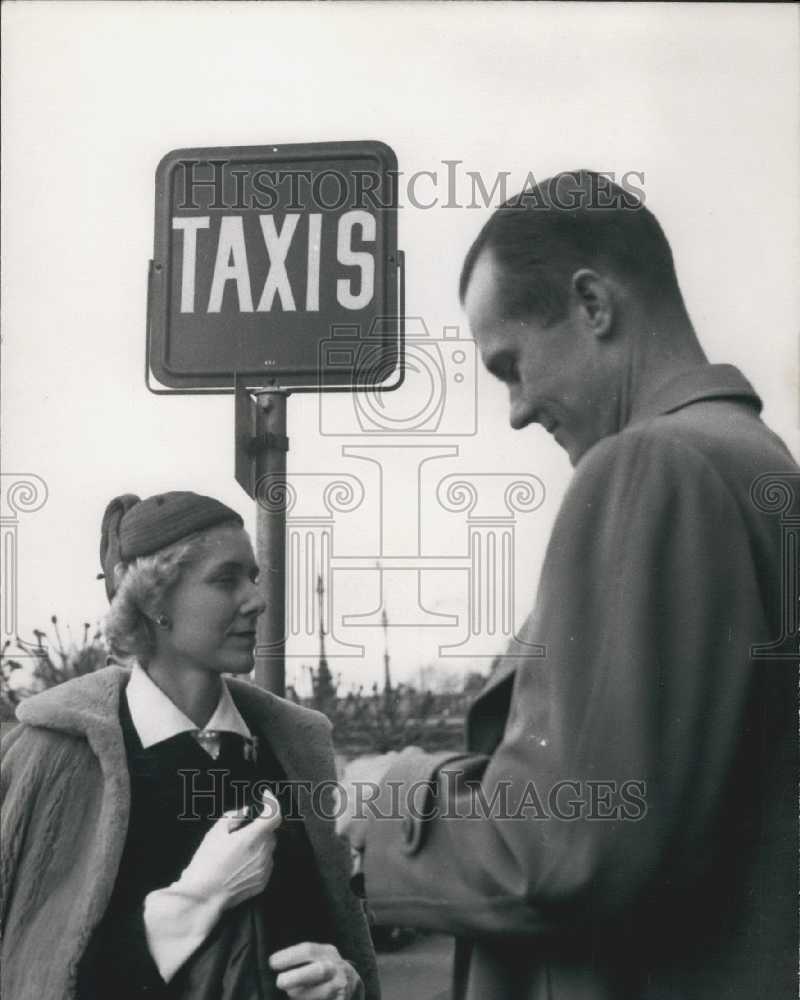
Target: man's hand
(360,781)
(311,971)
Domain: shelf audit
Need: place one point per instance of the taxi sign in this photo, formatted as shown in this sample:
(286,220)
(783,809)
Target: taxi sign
(276,266)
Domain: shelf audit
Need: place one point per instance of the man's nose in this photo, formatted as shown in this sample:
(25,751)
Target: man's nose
(516,409)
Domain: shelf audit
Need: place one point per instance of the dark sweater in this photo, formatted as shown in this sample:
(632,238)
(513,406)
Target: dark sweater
(177,791)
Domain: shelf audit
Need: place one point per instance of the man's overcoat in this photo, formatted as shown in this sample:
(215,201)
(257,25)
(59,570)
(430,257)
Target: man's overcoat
(636,831)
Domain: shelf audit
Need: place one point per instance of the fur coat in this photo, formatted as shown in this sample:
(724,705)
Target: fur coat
(66,803)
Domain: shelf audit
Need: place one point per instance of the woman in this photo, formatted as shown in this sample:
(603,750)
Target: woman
(132,863)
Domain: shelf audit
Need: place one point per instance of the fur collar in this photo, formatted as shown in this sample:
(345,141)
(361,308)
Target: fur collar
(88,708)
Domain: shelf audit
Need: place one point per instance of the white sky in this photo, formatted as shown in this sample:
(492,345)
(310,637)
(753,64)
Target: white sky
(703,99)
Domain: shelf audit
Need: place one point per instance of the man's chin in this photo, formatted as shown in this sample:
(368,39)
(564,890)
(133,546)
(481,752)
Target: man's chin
(577,449)
(567,444)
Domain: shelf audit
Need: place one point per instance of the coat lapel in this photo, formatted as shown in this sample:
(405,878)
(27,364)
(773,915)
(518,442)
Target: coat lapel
(301,743)
(296,737)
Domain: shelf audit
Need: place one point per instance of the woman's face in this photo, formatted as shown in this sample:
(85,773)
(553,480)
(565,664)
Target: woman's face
(213,608)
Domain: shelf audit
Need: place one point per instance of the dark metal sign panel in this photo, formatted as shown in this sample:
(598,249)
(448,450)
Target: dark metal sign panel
(278,264)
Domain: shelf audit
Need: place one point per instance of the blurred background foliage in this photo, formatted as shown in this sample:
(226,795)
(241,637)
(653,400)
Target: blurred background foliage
(429,715)
(27,667)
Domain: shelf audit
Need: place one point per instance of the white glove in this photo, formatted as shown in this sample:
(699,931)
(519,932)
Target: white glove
(232,863)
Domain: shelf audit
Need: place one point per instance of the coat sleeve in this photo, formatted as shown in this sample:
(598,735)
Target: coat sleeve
(17,788)
(39,769)
(618,743)
(35,764)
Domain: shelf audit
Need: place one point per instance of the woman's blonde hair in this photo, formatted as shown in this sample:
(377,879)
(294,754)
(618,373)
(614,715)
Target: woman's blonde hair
(142,586)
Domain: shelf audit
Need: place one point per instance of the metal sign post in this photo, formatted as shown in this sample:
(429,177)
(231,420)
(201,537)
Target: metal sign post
(261,446)
(271,495)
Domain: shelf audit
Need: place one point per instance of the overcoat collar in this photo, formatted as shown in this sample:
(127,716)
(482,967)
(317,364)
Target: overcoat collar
(700,383)
(704,382)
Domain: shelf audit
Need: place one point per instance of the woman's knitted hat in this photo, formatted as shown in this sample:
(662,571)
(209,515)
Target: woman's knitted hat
(132,527)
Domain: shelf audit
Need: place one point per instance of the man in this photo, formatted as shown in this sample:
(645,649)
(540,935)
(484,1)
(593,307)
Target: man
(623,823)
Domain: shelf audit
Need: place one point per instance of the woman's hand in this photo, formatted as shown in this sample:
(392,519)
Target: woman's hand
(311,971)
(233,864)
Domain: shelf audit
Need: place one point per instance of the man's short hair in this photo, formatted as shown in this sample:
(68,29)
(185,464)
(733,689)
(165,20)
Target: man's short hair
(574,219)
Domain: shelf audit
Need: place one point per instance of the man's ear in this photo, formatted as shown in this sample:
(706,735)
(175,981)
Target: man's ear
(594,299)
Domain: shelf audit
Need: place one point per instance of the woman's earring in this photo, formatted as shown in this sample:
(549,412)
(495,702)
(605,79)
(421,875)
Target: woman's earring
(162,621)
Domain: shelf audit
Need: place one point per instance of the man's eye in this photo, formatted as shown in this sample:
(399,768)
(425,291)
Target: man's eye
(504,368)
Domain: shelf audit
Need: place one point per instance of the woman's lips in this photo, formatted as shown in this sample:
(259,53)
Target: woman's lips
(245,636)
